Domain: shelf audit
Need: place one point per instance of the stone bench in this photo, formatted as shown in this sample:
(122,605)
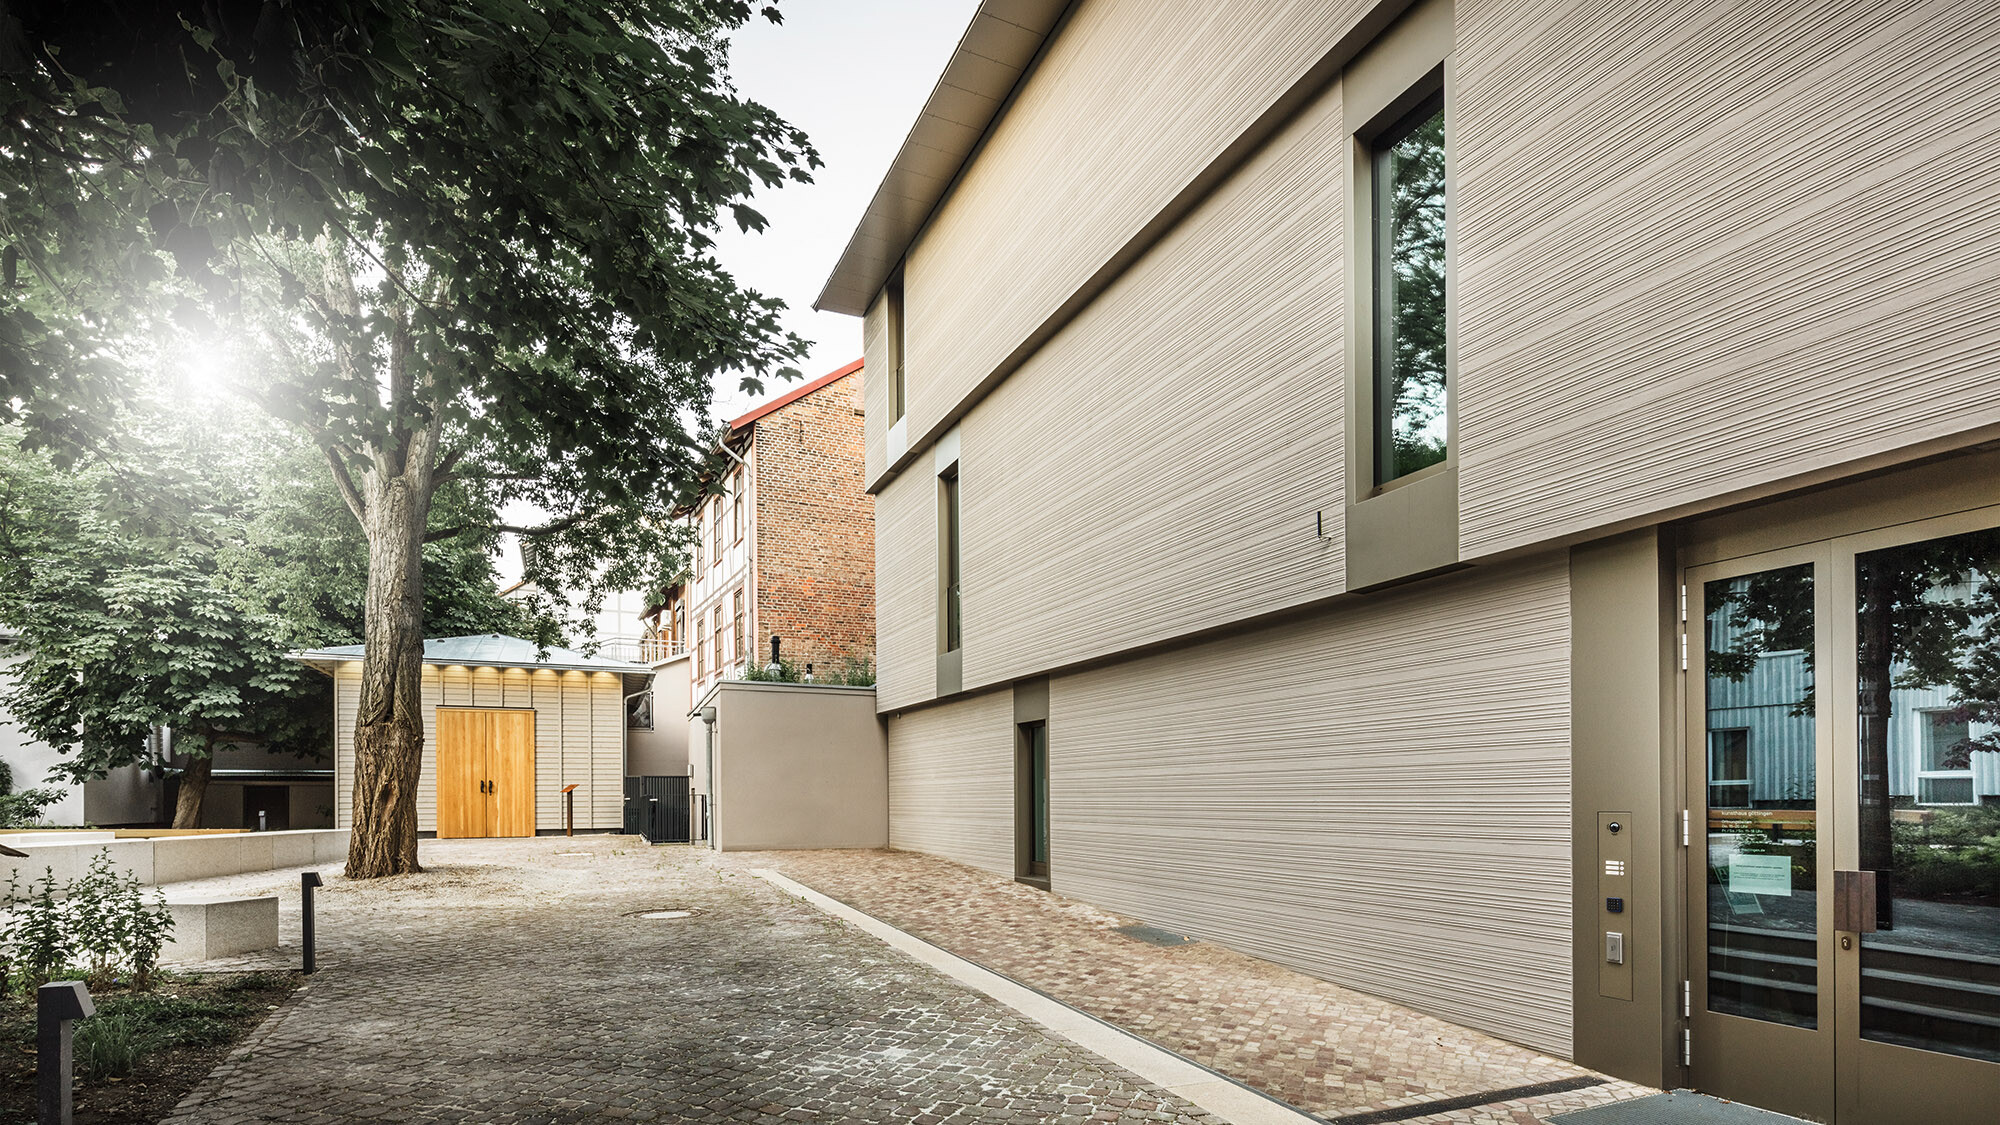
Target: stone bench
(207,928)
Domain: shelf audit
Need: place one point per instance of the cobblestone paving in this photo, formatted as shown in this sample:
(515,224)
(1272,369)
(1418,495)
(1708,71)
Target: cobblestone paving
(509,984)
(1319,1046)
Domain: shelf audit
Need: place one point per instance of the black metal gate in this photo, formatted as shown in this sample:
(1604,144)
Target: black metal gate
(657,808)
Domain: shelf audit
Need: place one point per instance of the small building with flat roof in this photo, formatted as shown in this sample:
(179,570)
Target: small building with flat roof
(508,725)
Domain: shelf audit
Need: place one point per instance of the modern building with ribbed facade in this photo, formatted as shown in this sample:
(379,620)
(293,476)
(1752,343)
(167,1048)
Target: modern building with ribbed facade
(1490,503)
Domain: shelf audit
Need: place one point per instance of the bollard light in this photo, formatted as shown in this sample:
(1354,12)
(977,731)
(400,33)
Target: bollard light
(57,1004)
(307,882)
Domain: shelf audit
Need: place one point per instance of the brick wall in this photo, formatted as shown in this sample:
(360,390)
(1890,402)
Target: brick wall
(815,526)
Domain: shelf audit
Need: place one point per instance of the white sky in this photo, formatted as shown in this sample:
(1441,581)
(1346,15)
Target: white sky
(853,74)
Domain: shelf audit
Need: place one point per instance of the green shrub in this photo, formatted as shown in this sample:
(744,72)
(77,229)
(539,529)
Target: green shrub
(104,925)
(1956,855)
(24,809)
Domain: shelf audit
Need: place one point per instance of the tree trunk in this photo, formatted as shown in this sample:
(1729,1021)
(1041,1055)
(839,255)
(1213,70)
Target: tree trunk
(389,728)
(194,787)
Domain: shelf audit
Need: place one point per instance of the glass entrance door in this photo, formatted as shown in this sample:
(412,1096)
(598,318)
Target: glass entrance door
(1919,944)
(1843,720)
(1759,1017)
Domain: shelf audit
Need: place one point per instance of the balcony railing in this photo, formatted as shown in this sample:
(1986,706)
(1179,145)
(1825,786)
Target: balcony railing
(659,648)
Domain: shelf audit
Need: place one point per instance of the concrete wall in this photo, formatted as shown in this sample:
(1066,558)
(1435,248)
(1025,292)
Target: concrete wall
(174,859)
(1626,346)
(31,761)
(663,750)
(797,766)
(579,737)
(128,795)
(1377,793)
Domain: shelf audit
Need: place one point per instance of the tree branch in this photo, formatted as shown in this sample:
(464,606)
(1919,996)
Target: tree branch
(347,490)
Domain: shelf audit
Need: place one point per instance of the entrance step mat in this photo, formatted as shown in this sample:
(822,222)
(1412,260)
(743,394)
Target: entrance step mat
(1681,1107)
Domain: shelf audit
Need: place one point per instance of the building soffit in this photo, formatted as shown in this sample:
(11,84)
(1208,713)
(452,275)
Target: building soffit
(997,49)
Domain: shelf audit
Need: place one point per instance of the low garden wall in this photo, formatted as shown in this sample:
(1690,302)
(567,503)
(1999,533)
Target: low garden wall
(175,859)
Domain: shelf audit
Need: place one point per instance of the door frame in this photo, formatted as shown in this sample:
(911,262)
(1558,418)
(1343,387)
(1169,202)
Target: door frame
(1765,1063)
(1866,1080)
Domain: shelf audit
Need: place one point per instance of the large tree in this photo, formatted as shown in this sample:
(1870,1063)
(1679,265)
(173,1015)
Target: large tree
(166,591)
(461,242)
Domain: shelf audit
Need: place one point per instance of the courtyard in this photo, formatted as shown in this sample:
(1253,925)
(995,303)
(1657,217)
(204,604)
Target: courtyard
(521,981)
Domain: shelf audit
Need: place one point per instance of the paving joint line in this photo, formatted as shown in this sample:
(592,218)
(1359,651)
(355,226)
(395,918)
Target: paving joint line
(1188,1079)
(1465,1101)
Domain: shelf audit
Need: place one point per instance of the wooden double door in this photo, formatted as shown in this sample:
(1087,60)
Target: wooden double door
(485,772)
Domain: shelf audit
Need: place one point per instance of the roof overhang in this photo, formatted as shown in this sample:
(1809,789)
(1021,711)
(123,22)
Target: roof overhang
(998,48)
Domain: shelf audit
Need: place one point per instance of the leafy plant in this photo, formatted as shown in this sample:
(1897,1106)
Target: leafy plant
(104,925)
(107,1046)
(34,943)
(1955,855)
(25,809)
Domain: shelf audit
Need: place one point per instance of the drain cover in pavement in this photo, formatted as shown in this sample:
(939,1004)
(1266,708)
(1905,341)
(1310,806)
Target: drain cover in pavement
(1681,1107)
(663,914)
(1154,935)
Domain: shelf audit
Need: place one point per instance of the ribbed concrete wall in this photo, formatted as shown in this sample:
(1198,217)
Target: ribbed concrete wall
(951,782)
(1172,459)
(906,579)
(1377,795)
(1706,245)
(1131,101)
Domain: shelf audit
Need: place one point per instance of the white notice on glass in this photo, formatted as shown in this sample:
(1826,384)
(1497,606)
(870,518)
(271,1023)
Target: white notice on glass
(1760,874)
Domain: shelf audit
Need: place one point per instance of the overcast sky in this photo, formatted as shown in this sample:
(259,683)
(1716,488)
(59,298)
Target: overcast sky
(852,74)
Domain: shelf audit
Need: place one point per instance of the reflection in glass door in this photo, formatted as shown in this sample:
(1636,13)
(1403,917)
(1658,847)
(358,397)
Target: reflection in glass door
(1762,823)
(1927,675)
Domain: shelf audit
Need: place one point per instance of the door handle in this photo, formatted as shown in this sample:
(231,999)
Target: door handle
(1854,902)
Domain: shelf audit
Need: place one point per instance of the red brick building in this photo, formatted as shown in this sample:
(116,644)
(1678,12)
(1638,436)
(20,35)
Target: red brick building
(787,548)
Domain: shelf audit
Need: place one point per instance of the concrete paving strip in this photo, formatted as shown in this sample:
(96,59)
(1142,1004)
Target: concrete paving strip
(1184,1078)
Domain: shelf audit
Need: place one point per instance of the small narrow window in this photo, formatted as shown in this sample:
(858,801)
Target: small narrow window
(695,553)
(949,485)
(1034,821)
(738,635)
(1411,393)
(897,337)
(700,650)
(717,527)
(716,636)
(736,507)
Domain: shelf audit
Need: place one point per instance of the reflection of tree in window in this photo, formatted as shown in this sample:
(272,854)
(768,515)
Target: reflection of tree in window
(1410,294)
(1928,617)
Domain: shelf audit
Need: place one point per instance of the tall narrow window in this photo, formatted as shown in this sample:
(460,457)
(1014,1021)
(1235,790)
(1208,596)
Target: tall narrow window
(695,553)
(700,650)
(717,527)
(897,337)
(949,487)
(716,634)
(1411,391)
(736,508)
(738,635)
(1033,772)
